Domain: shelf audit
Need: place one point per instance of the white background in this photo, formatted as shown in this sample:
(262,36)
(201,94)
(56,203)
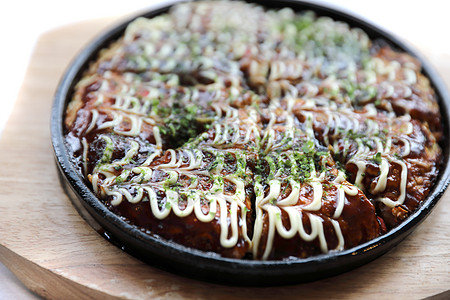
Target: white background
(421,23)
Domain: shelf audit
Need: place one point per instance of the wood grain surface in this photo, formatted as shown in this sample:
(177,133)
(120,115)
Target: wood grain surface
(56,254)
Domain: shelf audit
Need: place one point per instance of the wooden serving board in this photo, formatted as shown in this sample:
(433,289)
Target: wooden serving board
(56,254)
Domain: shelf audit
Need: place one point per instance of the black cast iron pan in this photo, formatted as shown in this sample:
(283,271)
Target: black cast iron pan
(209,266)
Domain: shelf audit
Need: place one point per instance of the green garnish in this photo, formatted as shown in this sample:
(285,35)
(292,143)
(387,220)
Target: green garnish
(398,156)
(322,153)
(308,147)
(377,158)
